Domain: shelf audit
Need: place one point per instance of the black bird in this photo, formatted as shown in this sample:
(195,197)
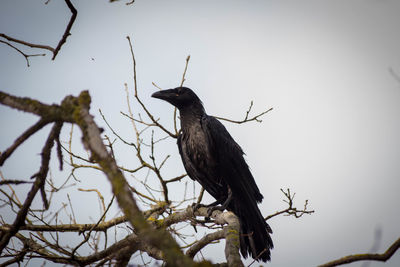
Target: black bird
(211,157)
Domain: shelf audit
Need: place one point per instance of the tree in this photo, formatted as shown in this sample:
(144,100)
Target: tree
(152,218)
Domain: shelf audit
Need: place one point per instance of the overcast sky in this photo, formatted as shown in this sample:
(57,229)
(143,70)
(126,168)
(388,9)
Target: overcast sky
(333,134)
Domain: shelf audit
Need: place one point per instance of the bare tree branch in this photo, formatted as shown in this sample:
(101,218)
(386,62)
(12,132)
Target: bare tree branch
(291,210)
(26,56)
(362,257)
(68,29)
(232,239)
(55,51)
(206,240)
(38,185)
(11,39)
(28,133)
(80,228)
(17,258)
(246,118)
(140,101)
(183,80)
(14,182)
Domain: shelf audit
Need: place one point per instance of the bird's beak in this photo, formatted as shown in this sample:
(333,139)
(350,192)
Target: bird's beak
(166,95)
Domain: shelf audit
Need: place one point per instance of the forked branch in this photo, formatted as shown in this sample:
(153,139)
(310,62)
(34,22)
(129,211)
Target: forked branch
(246,118)
(55,51)
(291,210)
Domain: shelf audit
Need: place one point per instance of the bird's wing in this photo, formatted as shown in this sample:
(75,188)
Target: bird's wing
(198,170)
(233,167)
(255,239)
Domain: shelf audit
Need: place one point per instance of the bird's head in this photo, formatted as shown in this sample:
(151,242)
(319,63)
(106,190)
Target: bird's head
(180,97)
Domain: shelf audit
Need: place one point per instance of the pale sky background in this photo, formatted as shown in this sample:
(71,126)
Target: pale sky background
(333,136)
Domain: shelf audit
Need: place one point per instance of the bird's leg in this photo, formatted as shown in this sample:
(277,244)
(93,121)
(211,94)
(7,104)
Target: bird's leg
(196,206)
(223,206)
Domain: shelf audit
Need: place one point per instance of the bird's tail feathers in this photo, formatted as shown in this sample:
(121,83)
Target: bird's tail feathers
(255,239)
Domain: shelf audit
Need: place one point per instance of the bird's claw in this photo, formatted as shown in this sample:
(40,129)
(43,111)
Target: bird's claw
(212,209)
(196,206)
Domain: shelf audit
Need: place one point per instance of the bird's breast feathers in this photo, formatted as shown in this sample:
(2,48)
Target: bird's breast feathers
(197,147)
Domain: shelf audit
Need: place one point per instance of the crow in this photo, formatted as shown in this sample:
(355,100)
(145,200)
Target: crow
(212,158)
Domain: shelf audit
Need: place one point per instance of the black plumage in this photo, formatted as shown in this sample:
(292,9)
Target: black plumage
(211,157)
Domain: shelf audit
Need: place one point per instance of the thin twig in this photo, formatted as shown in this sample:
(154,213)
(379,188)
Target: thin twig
(26,56)
(87,236)
(178,178)
(14,182)
(55,51)
(103,206)
(26,43)
(246,119)
(200,196)
(140,101)
(22,138)
(117,135)
(67,31)
(38,185)
(291,211)
(184,72)
(183,80)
